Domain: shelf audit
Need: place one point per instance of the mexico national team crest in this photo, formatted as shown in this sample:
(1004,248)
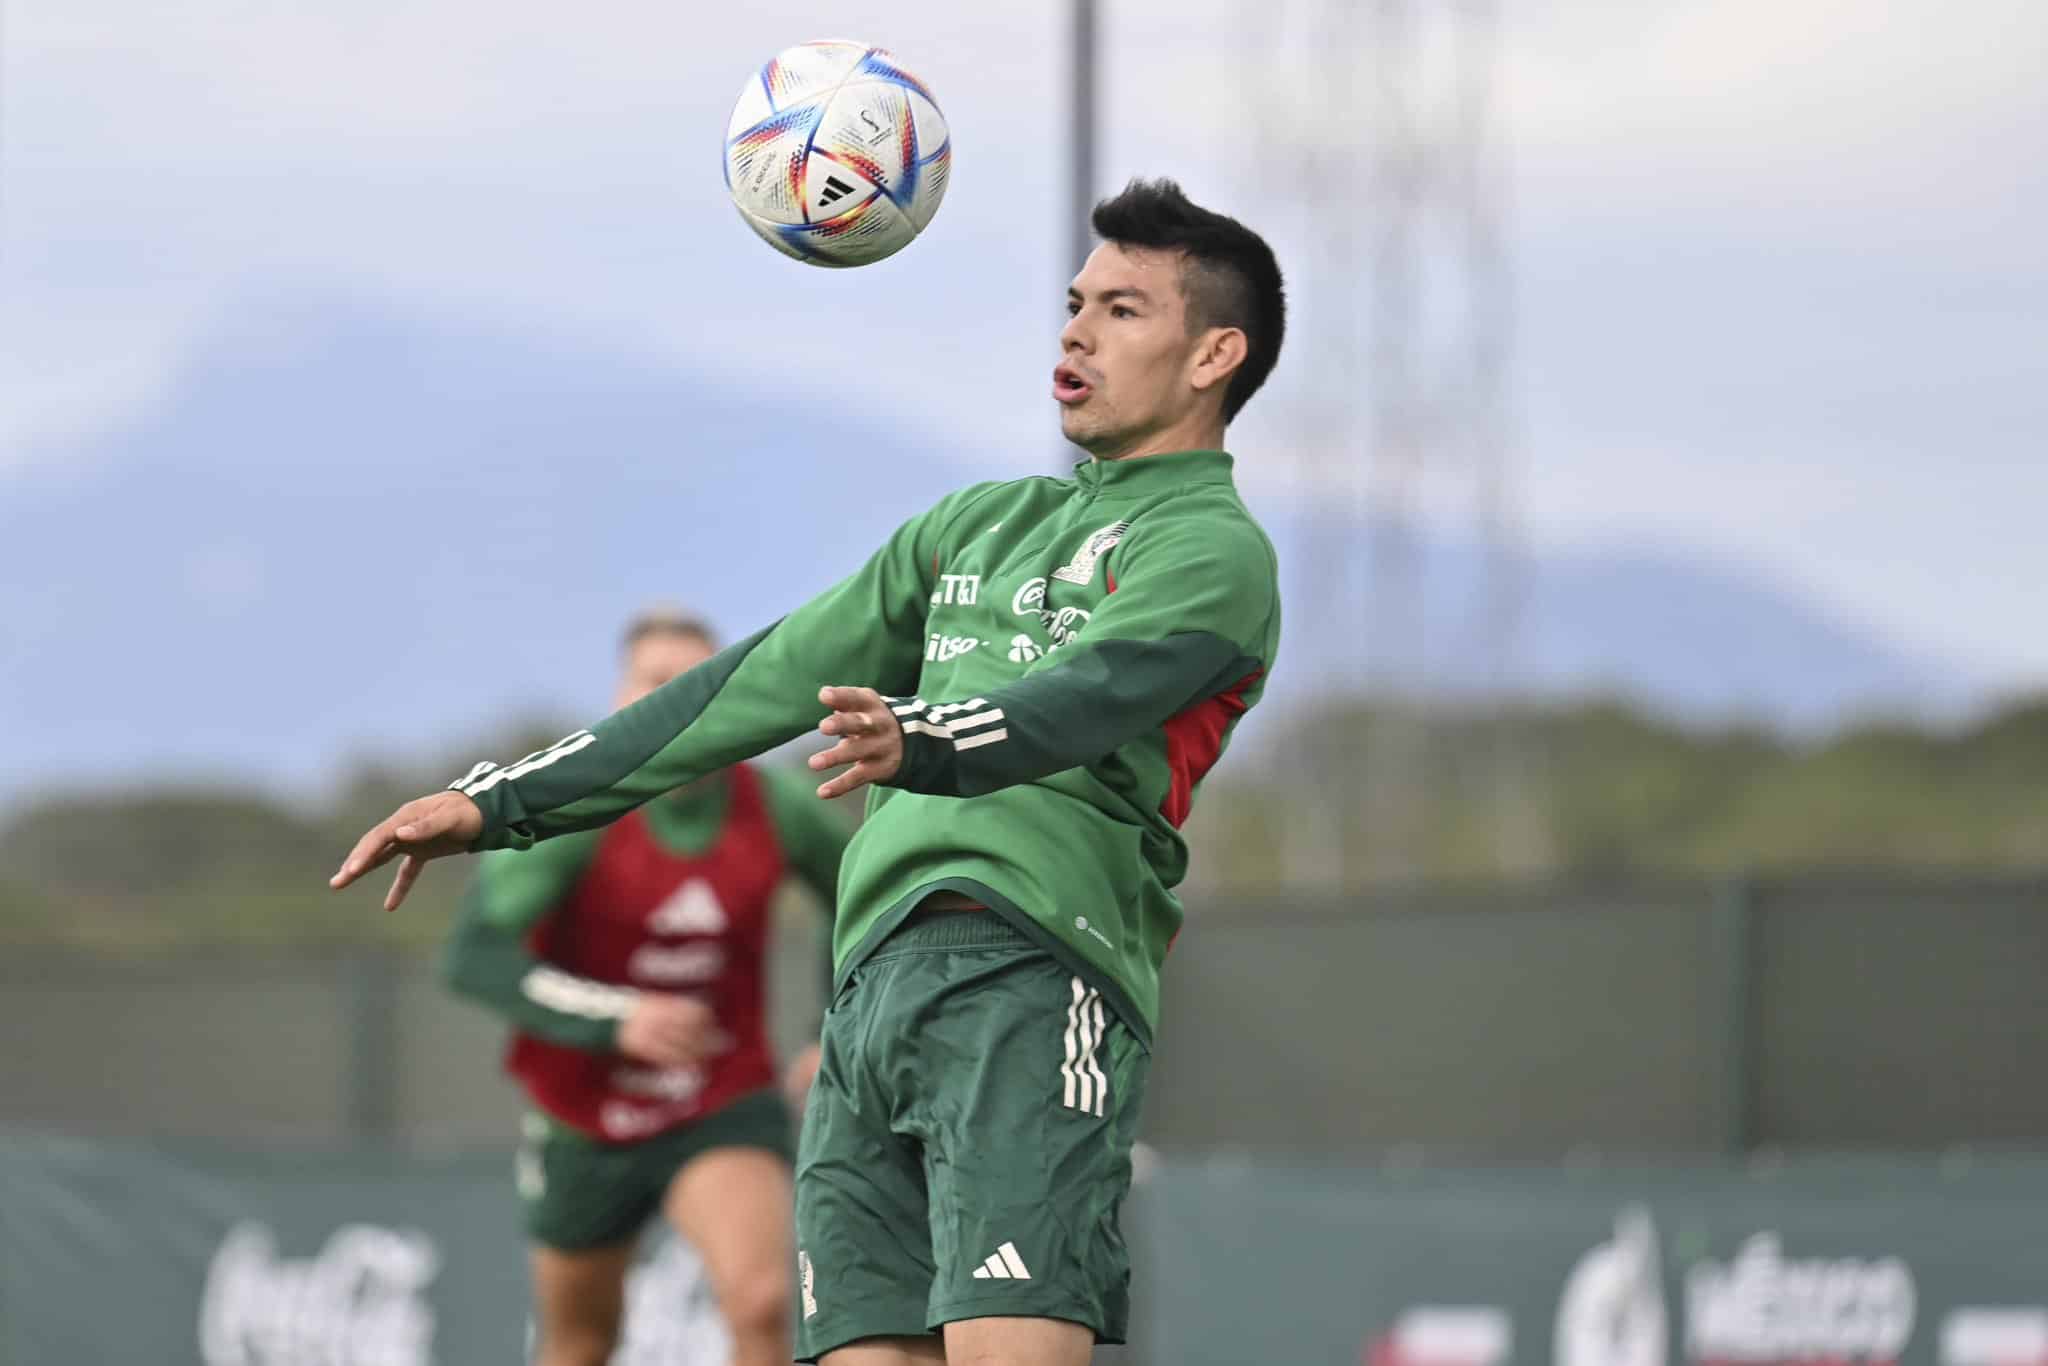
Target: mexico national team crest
(1081,569)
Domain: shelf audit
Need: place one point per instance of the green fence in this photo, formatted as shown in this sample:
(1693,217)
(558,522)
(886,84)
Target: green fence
(1832,1013)
(1682,1019)
(115,1254)
(1846,1263)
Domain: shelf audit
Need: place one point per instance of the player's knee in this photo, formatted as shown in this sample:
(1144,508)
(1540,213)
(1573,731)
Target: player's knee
(757,1305)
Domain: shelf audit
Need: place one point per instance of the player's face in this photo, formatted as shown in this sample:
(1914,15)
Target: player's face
(654,660)
(1126,356)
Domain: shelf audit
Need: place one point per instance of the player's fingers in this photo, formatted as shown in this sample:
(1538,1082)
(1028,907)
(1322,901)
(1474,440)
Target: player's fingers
(845,752)
(426,819)
(372,851)
(409,869)
(850,699)
(860,775)
(421,827)
(847,723)
(853,749)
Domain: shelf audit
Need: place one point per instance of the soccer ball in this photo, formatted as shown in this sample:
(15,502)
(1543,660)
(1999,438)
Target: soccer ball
(836,155)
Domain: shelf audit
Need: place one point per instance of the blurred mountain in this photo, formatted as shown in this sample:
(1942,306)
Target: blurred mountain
(351,530)
(1701,641)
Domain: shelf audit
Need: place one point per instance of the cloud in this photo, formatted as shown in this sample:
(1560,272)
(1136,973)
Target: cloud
(503,162)
(1804,233)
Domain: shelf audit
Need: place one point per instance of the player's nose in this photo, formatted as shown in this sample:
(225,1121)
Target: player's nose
(1074,337)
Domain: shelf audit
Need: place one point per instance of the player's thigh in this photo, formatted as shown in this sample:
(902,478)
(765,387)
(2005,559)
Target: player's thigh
(579,1298)
(1030,1088)
(733,1204)
(579,1194)
(1019,1342)
(864,1268)
(898,1351)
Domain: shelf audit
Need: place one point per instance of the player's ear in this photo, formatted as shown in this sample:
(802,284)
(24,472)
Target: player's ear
(1218,353)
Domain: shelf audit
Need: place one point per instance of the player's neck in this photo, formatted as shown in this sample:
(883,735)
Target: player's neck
(1195,433)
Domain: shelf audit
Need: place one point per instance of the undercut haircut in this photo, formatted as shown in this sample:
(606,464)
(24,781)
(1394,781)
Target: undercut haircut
(1229,276)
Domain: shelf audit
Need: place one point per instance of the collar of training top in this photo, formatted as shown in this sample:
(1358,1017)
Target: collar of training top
(1147,472)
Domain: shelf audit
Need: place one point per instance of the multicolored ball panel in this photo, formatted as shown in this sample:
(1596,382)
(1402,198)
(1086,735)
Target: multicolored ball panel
(836,154)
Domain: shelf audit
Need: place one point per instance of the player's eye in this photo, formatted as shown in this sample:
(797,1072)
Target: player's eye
(1072,308)
(1122,311)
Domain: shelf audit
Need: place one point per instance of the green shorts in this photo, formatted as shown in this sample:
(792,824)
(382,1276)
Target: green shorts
(967,1143)
(580,1193)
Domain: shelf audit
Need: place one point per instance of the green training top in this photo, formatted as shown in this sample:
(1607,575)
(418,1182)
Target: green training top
(1068,658)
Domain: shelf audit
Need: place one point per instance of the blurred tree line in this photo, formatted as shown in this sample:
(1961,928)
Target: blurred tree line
(166,865)
(1609,790)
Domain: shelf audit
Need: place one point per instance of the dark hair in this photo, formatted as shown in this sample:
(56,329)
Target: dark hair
(666,621)
(1230,278)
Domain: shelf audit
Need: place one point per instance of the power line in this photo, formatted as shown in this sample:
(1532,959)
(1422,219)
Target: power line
(1404,412)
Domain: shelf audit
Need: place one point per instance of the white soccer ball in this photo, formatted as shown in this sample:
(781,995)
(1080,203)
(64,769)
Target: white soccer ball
(836,154)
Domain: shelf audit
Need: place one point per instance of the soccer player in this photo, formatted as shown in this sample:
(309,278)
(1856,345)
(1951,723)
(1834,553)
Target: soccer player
(1031,679)
(630,963)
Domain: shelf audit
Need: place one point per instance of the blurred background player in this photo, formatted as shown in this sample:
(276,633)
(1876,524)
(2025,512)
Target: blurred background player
(631,963)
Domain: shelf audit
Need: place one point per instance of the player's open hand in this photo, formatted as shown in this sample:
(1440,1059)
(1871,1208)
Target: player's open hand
(424,828)
(870,739)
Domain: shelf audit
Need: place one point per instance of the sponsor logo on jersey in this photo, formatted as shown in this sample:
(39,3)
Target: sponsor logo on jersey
(938,649)
(1023,649)
(1081,569)
(660,1083)
(1061,623)
(957,590)
(670,964)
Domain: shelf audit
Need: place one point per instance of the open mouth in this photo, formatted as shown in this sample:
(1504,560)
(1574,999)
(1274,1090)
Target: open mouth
(1068,386)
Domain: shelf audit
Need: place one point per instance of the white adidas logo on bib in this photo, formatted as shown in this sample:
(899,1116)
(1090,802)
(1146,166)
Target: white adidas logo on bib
(692,908)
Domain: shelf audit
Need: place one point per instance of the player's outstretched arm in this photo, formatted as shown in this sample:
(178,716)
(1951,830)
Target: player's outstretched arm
(749,697)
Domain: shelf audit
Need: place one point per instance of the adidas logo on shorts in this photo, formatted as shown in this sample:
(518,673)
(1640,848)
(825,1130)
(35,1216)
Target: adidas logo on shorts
(1004,1265)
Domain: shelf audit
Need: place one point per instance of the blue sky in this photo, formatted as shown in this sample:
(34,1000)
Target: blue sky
(1781,265)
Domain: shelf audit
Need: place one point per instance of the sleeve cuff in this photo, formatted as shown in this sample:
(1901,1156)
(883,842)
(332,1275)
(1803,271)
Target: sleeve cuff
(930,756)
